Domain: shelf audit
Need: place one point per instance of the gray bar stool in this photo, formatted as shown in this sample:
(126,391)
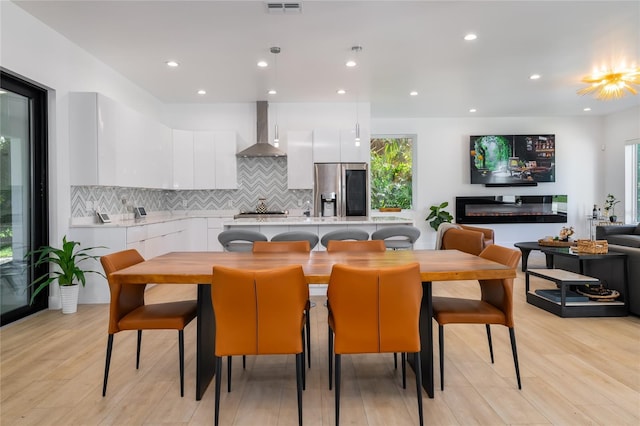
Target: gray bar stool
(297,236)
(400,237)
(239,239)
(344,234)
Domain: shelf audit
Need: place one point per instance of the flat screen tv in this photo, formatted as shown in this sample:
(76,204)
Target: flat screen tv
(512,160)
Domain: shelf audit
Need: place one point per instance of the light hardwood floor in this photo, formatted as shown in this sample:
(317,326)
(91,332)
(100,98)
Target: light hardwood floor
(583,371)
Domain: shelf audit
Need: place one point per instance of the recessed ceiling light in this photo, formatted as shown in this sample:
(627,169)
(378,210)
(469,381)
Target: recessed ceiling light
(172,64)
(472,110)
(587,109)
(534,76)
(351,63)
(413,93)
(341,91)
(202,92)
(272,92)
(470,37)
(263,64)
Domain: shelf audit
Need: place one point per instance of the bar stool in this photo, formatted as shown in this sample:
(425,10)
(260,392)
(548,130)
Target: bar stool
(239,239)
(344,234)
(298,236)
(399,237)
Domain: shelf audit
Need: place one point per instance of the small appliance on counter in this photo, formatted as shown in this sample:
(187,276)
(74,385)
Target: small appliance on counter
(103,217)
(139,212)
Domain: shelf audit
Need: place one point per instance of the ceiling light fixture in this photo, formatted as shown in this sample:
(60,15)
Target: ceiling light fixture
(351,63)
(341,91)
(470,37)
(472,110)
(276,136)
(172,64)
(413,93)
(587,109)
(202,92)
(263,64)
(607,84)
(357,50)
(534,77)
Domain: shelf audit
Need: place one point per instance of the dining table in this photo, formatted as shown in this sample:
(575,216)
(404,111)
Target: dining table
(197,268)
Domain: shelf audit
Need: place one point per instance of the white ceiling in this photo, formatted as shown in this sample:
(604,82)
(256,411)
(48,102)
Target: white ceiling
(407,45)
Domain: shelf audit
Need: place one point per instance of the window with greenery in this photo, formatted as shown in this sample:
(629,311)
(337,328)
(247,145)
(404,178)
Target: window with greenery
(391,172)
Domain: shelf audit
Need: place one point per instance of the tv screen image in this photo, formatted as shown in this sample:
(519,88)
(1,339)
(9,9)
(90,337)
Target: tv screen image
(512,159)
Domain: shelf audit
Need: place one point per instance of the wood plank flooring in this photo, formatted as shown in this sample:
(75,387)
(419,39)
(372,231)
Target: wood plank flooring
(582,371)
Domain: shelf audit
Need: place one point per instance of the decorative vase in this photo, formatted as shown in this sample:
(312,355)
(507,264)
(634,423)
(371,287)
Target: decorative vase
(613,218)
(69,298)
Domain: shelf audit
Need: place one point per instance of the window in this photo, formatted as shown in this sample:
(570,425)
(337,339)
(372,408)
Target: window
(632,181)
(392,172)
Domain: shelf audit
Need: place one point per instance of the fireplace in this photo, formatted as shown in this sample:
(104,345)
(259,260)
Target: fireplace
(512,209)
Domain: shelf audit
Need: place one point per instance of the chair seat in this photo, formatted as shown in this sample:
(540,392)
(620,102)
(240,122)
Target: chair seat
(447,310)
(173,316)
(398,244)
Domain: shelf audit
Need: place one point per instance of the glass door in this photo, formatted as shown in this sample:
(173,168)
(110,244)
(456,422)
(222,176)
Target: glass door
(23,206)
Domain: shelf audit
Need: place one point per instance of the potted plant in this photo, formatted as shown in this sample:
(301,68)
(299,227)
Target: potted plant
(609,207)
(438,215)
(68,272)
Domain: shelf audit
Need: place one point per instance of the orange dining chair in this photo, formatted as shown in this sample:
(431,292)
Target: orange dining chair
(495,306)
(290,247)
(259,313)
(128,311)
(375,310)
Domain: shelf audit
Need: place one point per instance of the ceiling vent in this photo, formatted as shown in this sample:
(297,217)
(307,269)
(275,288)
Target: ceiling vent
(280,7)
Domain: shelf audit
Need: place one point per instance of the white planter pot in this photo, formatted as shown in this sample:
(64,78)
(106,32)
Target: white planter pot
(69,298)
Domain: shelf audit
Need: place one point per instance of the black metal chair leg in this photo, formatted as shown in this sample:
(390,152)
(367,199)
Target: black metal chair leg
(512,335)
(304,371)
(181,355)
(299,374)
(107,363)
(228,374)
(404,370)
(218,362)
(244,362)
(395,360)
(418,369)
(308,336)
(330,357)
(337,390)
(490,343)
(441,344)
(138,349)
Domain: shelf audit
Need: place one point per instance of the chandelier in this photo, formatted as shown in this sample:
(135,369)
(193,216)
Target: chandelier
(612,84)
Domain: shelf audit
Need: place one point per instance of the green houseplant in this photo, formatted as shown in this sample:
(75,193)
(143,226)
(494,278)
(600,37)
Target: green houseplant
(438,215)
(68,272)
(610,206)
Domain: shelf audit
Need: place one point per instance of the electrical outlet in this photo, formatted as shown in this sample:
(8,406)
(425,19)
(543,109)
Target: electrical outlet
(184,204)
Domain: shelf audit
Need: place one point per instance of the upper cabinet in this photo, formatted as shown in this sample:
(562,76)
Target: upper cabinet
(334,146)
(111,144)
(204,159)
(300,160)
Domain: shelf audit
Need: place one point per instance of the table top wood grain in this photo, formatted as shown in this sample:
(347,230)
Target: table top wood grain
(197,267)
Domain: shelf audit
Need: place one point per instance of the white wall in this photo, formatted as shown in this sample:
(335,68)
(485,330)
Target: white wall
(443,167)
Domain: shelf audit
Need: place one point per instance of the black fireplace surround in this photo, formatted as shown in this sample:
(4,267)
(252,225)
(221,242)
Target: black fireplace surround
(512,209)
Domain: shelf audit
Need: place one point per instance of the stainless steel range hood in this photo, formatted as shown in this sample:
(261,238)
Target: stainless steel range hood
(263,148)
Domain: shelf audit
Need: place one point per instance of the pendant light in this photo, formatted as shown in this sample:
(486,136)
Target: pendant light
(357,50)
(276,135)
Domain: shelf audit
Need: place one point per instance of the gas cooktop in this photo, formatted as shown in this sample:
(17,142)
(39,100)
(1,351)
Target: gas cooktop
(274,213)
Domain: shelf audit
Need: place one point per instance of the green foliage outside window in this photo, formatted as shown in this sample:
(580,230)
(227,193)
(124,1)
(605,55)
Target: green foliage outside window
(391,172)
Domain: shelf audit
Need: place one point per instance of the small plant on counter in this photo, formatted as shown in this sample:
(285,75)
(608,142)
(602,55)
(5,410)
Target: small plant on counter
(437,215)
(610,204)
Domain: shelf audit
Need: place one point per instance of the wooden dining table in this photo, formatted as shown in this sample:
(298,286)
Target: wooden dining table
(197,267)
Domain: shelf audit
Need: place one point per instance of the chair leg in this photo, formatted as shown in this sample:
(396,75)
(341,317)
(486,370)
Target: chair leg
(218,362)
(181,355)
(418,369)
(395,360)
(490,343)
(308,314)
(330,339)
(441,344)
(337,390)
(228,374)
(244,362)
(138,349)
(107,363)
(299,374)
(304,371)
(512,335)
(404,370)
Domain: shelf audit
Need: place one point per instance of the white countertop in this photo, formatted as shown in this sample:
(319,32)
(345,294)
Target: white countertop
(303,220)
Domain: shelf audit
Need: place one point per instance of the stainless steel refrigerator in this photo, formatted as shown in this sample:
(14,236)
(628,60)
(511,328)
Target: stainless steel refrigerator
(341,189)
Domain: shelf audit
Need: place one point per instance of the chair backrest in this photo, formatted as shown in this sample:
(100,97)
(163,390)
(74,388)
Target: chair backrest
(281,247)
(258,312)
(124,297)
(375,309)
(464,240)
(344,234)
(499,292)
(239,239)
(397,237)
(335,246)
(489,234)
(298,236)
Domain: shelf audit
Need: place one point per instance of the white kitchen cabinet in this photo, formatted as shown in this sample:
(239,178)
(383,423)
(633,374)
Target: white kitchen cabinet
(225,160)
(335,146)
(111,144)
(214,228)
(326,146)
(349,152)
(214,160)
(300,160)
(182,159)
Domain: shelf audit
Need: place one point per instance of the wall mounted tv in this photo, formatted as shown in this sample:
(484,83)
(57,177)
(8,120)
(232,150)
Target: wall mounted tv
(512,160)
